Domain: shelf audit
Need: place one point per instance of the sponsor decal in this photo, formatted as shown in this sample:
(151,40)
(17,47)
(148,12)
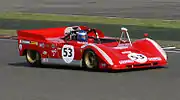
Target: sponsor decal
(125,61)
(28,42)
(57,39)
(25,42)
(82,42)
(126,52)
(20,46)
(68,53)
(44,52)
(34,43)
(140,58)
(122,46)
(41,45)
(103,64)
(59,48)
(54,52)
(44,60)
(154,59)
(47,45)
(53,46)
(61,41)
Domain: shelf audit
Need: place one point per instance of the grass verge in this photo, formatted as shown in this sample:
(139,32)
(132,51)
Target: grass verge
(160,30)
(92,19)
(8,32)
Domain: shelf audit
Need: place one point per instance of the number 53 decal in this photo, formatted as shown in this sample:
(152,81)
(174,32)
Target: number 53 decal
(68,53)
(137,57)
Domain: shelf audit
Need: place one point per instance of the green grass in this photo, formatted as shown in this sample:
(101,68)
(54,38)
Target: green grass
(9,32)
(166,32)
(92,19)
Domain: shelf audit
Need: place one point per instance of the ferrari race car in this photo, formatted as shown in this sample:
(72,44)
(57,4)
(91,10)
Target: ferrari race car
(89,48)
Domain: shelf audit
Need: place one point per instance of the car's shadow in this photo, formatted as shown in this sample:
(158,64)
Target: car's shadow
(78,68)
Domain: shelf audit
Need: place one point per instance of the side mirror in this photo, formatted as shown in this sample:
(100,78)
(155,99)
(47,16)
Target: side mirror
(146,35)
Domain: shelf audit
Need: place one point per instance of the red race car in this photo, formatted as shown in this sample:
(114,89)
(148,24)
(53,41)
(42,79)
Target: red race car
(88,48)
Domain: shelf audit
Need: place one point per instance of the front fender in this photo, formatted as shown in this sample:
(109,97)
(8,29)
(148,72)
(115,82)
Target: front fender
(101,51)
(149,45)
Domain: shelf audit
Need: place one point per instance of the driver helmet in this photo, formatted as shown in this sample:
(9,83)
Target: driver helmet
(82,36)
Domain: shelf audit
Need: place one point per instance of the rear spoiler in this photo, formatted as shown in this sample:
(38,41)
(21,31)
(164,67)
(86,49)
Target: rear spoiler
(21,34)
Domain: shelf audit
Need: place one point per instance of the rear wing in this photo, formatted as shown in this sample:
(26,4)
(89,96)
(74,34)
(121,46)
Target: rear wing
(21,34)
(41,34)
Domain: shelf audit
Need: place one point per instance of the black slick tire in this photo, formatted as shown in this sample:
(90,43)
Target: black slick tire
(90,60)
(33,58)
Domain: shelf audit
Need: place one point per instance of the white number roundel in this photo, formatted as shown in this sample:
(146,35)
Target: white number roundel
(68,53)
(140,58)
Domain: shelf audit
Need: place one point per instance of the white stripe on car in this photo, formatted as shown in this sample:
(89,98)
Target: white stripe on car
(102,53)
(158,47)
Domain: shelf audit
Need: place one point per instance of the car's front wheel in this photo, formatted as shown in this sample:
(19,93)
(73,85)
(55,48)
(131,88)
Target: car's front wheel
(90,60)
(33,58)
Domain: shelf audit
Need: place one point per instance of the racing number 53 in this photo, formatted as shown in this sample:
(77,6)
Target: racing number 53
(139,56)
(67,52)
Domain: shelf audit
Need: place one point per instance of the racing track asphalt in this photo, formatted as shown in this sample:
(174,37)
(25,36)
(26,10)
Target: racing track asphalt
(20,82)
(168,9)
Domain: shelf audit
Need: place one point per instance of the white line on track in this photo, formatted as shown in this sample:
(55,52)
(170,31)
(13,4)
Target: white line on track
(173,51)
(177,49)
(7,40)
(168,48)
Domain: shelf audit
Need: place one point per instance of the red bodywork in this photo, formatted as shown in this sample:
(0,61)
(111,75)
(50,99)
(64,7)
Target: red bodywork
(112,54)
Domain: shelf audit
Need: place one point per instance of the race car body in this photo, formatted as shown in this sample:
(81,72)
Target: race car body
(61,46)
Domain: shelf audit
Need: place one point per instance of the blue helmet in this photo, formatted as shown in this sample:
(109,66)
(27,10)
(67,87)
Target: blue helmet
(82,36)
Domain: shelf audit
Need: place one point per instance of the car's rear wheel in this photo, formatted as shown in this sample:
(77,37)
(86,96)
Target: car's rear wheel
(33,58)
(90,60)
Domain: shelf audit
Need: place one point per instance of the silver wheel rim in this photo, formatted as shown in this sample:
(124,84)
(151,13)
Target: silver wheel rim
(90,60)
(32,56)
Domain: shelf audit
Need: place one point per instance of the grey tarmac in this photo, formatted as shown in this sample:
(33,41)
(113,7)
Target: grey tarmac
(20,82)
(52,82)
(167,9)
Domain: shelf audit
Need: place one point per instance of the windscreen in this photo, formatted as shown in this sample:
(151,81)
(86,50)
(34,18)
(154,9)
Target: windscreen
(124,37)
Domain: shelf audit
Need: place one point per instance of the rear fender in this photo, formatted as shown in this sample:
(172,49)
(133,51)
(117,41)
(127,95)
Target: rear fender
(28,45)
